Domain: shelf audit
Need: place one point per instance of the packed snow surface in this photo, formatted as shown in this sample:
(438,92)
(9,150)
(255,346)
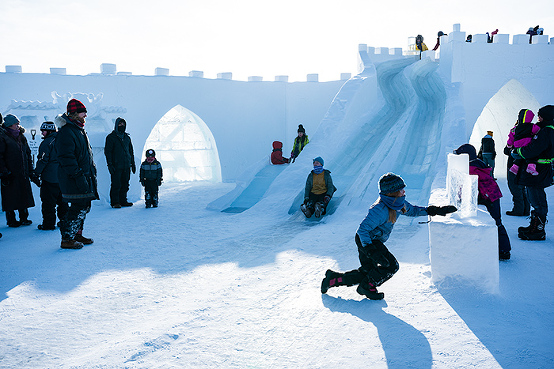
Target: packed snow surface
(183,286)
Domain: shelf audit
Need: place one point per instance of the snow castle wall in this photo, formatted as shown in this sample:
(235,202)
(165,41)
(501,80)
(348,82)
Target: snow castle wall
(469,64)
(244,117)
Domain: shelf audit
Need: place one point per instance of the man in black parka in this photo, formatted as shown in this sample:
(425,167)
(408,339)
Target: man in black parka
(120,158)
(76,173)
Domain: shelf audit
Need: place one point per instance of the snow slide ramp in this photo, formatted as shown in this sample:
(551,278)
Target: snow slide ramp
(413,147)
(250,189)
(371,131)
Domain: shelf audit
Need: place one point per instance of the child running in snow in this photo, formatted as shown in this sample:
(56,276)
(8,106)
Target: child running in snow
(377,263)
(151,177)
(520,136)
(318,190)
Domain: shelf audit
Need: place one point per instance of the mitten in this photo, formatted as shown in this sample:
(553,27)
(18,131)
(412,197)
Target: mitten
(440,210)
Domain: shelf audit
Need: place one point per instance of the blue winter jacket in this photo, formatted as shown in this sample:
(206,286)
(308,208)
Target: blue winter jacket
(376,225)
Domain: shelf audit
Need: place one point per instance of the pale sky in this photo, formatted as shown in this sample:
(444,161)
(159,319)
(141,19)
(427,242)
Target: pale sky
(246,37)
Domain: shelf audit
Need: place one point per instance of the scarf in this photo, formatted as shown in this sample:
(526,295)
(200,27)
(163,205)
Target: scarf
(318,169)
(13,133)
(395,203)
(150,159)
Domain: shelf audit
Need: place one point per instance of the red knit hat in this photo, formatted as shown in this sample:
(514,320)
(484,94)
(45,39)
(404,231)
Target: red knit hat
(75,106)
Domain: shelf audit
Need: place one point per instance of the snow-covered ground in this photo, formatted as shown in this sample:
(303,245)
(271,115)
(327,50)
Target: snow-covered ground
(183,286)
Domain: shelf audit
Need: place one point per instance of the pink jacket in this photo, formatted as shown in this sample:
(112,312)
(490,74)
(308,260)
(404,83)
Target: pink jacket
(488,188)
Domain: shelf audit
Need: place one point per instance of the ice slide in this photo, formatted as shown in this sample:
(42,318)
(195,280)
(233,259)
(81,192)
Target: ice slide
(400,131)
(412,147)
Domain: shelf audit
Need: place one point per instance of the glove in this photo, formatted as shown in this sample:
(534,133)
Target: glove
(82,184)
(440,210)
(35,178)
(133,169)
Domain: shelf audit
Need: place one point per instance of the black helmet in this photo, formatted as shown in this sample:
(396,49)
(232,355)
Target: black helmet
(150,153)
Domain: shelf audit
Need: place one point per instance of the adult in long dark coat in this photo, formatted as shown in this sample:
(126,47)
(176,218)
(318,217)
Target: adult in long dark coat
(76,174)
(541,151)
(15,170)
(120,158)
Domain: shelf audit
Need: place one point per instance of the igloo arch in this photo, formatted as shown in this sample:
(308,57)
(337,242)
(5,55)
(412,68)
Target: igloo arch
(185,146)
(499,115)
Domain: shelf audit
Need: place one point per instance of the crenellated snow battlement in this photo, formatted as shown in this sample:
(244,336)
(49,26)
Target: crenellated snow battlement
(478,47)
(110,69)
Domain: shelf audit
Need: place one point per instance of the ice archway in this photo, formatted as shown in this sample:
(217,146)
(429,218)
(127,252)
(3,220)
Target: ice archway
(499,116)
(185,146)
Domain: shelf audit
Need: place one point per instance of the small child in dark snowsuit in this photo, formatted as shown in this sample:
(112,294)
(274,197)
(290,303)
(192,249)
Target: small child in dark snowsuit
(378,265)
(151,177)
(520,136)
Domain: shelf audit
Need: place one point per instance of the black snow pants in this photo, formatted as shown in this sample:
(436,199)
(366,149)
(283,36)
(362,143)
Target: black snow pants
(51,195)
(119,185)
(74,219)
(378,265)
(151,192)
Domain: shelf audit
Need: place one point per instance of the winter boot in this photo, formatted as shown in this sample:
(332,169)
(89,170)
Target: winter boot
(521,230)
(319,209)
(10,219)
(84,240)
(71,244)
(116,206)
(45,227)
(24,217)
(306,210)
(369,290)
(535,231)
(126,203)
(504,255)
(332,279)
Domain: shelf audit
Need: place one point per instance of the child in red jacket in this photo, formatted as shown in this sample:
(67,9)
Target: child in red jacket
(277,154)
